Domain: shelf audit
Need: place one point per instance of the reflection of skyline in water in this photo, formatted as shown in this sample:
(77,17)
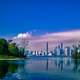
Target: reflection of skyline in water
(37,67)
(48,64)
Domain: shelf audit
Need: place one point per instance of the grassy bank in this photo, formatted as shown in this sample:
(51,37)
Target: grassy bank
(3,57)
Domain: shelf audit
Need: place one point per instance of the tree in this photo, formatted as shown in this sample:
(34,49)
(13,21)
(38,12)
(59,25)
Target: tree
(10,49)
(13,50)
(3,46)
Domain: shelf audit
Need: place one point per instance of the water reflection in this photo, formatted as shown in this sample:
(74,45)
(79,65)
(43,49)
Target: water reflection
(7,68)
(39,68)
(3,68)
(52,69)
(76,67)
(60,64)
(47,64)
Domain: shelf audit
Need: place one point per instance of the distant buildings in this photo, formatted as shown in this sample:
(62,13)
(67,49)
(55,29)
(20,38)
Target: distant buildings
(58,51)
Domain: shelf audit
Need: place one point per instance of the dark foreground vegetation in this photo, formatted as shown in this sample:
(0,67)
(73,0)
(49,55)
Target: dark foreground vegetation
(10,50)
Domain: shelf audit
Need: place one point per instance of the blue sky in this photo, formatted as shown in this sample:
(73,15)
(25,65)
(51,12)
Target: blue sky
(42,15)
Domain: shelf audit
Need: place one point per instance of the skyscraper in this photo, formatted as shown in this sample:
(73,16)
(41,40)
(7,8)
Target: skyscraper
(55,51)
(61,49)
(58,51)
(46,48)
(61,45)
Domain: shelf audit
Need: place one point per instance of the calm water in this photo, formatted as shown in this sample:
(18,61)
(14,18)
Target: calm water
(40,69)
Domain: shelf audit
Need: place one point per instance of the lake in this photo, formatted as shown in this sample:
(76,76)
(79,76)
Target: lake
(40,68)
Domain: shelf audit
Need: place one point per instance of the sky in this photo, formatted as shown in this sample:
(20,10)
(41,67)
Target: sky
(38,16)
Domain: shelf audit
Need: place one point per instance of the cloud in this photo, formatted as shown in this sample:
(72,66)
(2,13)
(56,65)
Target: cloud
(60,36)
(54,39)
(39,42)
(23,35)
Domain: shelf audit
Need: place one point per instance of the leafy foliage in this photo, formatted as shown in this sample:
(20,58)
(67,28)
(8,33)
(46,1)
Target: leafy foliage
(13,50)
(10,49)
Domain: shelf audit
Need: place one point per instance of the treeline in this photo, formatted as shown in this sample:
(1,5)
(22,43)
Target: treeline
(10,49)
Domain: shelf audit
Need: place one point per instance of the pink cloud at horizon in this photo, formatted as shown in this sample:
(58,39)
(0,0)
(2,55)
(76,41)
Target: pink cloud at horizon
(54,39)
